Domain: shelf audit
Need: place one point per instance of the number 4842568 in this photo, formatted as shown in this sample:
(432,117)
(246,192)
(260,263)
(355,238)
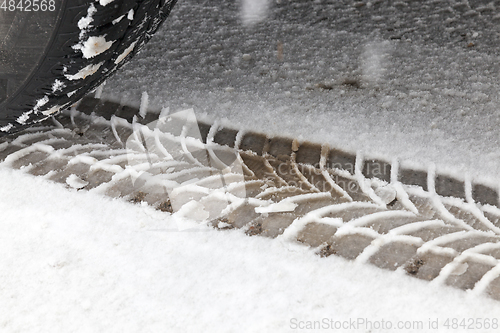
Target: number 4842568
(28,5)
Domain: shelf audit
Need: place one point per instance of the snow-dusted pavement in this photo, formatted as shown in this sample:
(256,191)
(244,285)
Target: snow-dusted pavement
(79,262)
(409,87)
(415,80)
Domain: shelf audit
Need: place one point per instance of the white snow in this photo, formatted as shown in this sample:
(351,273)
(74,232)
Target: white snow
(125,53)
(6,128)
(84,22)
(144,104)
(105,2)
(57,85)
(282,206)
(254,11)
(77,261)
(118,19)
(81,262)
(41,102)
(76,182)
(98,91)
(130,15)
(94,46)
(84,72)
(52,110)
(374,62)
(420,97)
(193,211)
(72,92)
(23,118)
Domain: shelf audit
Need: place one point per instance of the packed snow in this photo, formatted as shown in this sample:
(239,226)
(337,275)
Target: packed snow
(94,46)
(84,72)
(76,261)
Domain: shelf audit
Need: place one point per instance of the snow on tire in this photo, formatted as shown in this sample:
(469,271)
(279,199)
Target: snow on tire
(81,44)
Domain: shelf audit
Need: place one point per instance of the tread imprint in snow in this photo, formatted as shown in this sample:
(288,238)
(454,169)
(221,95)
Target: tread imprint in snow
(360,212)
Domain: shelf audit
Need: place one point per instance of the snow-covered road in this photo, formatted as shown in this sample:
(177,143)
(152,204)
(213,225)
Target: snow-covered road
(378,77)
(417,81)
(75,261)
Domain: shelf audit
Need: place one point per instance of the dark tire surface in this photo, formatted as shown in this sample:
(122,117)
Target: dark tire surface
(50,59)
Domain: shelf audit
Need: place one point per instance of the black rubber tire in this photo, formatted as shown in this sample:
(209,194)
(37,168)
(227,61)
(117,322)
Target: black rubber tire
(46,63)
